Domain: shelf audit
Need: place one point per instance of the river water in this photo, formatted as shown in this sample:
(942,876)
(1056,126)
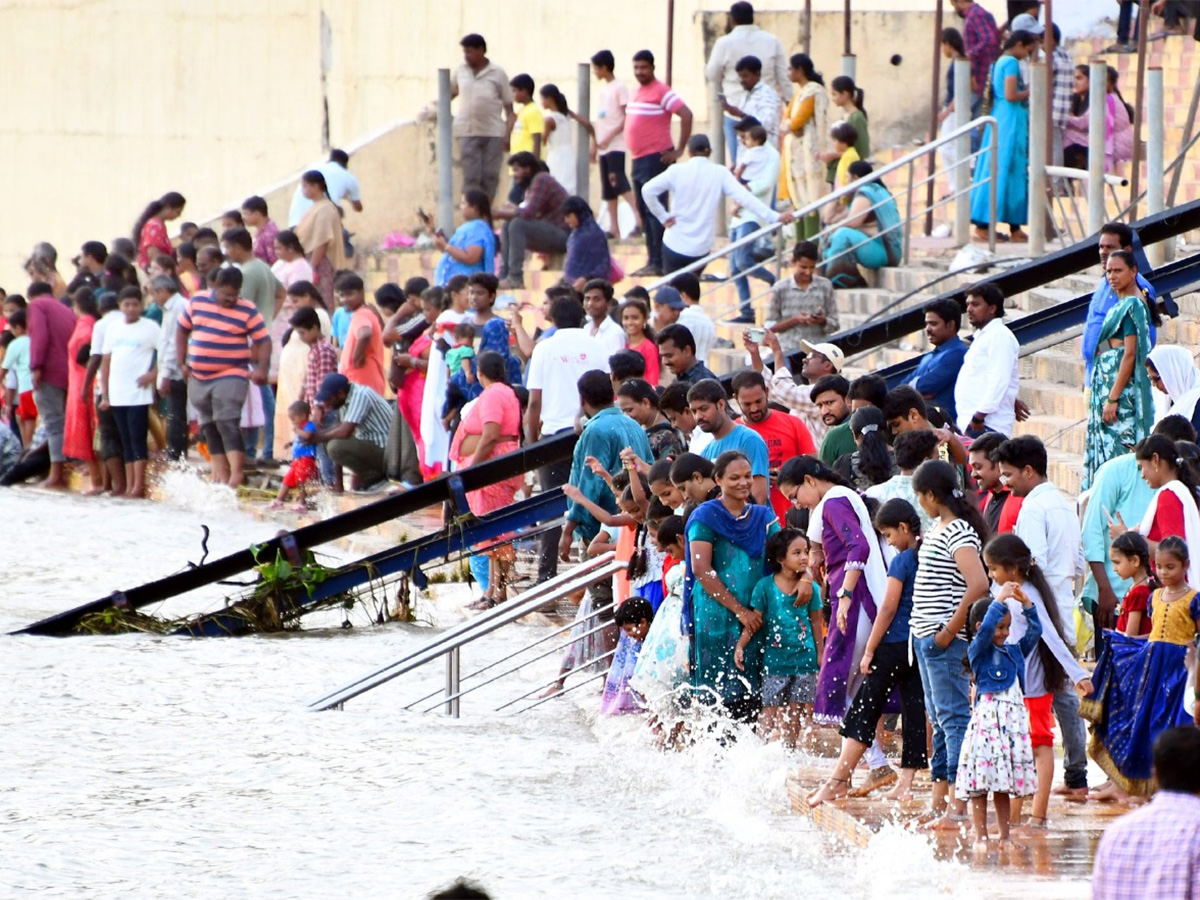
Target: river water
(142,766)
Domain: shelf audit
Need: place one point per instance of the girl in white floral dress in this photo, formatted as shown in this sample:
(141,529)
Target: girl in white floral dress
(997,754)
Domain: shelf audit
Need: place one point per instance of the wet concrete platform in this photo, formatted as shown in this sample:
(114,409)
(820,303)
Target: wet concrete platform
(1065,850)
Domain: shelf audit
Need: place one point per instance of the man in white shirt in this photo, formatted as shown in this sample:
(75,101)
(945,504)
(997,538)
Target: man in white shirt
(555,367)
(986,393)
(341,183)
(597,303)
(759,100)
(1049,526)
(608,148)
(697,188)
(745,39)
(698,322)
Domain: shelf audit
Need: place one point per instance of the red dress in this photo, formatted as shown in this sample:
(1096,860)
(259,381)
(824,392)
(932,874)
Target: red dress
(80,427)
(410,396)
(153,237)
(649,351)
(1137,600)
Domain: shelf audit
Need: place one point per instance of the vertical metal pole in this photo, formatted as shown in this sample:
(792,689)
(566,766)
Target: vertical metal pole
(1155,175)
(670,39)
(716,137)
(807,42)
(850,65)
(961,177)
(1139,95)
(846,48)
(453,674)
(445,155)
(1097,106)
(1038,101)
(1188,127)
(583,108)
(1048,6)
(934,107)
(993,179)
(908,212)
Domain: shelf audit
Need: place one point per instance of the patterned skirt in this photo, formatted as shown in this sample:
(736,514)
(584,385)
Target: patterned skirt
(997,754)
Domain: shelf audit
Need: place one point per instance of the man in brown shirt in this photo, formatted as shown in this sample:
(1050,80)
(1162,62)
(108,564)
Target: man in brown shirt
(484,116)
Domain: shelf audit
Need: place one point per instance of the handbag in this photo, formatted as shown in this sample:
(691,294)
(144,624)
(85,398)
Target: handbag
(615,272)
(763,248)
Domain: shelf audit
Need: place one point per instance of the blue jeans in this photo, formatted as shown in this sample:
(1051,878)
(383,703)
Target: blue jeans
(1127,22)
(742,266)
(976,134)
(731,141)
(324,463)
(1066,710)
(947,700)
(643,169)
(673,262)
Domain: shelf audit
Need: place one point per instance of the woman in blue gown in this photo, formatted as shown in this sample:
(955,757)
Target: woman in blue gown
(472,247)
(1010,109)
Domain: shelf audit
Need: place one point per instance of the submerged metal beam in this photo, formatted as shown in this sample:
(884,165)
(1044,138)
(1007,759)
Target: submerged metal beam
(544,452)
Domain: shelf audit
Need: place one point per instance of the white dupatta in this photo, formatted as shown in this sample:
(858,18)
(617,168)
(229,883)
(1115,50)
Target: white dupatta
(1191,525)
(875,572)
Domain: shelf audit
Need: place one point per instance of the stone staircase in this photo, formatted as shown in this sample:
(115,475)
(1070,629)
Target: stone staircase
(1052,376)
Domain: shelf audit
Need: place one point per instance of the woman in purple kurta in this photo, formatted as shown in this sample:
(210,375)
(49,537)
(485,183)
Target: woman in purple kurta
(854,569)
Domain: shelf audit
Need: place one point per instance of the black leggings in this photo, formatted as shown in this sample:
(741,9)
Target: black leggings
(223,436)
(132,423)
(890,668)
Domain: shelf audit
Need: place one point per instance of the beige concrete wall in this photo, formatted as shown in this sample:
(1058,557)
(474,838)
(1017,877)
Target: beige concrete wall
(108,103)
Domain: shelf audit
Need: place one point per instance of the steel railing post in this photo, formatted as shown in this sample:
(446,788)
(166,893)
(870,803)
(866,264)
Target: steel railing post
(453,674)
(1038,97)
(1155,173)
(583,107)
(961,177)
(445,155)
(1097,107)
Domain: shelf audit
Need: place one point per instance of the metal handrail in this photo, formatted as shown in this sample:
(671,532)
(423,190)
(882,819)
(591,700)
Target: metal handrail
(850,189)
(557,648)
(455,638)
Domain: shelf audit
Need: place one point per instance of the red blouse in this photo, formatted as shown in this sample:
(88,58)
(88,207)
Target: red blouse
(1168,517)
(153,237)
(1137,600)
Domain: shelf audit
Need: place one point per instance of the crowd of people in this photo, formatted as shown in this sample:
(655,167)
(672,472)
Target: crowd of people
(799,551)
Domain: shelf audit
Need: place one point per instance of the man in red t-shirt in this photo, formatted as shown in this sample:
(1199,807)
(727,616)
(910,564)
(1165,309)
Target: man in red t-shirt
(785,434)
(999,505)
(648,137)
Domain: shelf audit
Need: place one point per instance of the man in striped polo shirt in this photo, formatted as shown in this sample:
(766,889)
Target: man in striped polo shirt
(220,335)
(359,440)
(648,136)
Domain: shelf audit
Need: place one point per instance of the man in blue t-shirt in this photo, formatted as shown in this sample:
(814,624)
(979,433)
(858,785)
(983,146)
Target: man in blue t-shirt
(710,409)
(938,369)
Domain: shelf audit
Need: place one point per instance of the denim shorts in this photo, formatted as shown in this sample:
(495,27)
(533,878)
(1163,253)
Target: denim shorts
(780,690)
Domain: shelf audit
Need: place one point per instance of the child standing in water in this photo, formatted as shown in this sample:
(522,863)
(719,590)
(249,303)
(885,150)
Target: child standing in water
(792,656)
(997,755)
(303,469)
(1046,670)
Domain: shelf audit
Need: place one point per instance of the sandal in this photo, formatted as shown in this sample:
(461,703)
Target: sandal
(884,776)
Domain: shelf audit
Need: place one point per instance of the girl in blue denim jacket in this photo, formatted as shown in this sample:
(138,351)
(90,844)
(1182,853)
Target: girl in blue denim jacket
(997,754)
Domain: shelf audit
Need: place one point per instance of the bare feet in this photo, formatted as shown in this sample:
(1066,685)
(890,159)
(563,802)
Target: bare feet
(1007,845)
(551,691)
(833,789)
(882,777)
(1074,795)
(946,822)
(53,484)
(982,846)
(902,792)
(275,504)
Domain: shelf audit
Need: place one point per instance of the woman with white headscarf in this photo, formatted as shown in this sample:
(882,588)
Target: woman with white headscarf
(1173,372)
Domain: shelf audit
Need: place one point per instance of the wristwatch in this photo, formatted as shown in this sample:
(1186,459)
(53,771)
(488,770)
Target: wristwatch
(845,592)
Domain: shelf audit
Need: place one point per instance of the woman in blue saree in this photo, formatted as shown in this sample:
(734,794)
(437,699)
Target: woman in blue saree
(1120,409)
(726,552)
(492,331)
(1010,109)
(870,234)
(472,247)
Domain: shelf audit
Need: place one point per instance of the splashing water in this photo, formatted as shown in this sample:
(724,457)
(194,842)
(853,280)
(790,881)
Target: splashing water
(152,766)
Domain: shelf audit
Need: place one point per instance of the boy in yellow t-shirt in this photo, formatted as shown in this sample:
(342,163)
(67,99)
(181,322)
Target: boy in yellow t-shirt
(529,128)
